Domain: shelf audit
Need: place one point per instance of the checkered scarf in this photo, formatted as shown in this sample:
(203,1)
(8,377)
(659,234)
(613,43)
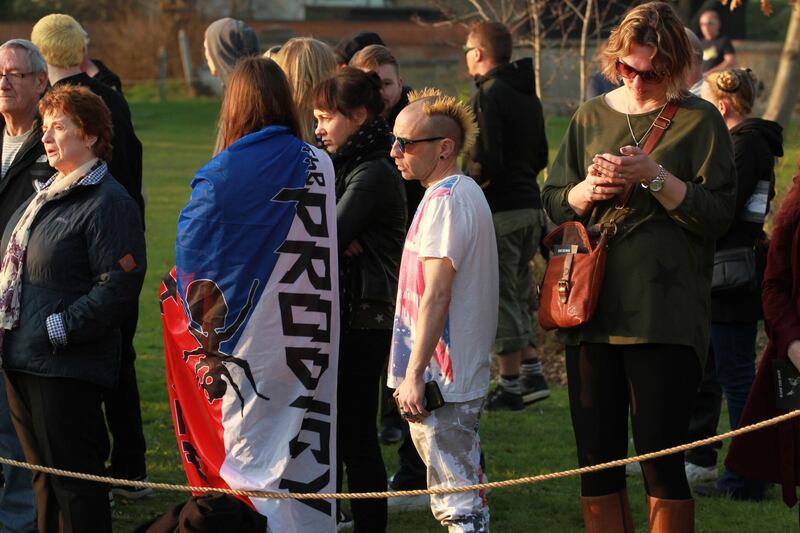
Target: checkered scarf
(14,259)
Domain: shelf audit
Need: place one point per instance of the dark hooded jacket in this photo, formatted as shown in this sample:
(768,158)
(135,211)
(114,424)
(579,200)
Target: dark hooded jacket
(756,144)
(511,148)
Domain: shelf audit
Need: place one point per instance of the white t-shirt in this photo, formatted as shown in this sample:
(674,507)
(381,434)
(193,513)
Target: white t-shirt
(11,146)
(454,221)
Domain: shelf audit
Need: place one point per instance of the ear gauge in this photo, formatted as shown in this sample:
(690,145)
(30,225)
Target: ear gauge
(441,157)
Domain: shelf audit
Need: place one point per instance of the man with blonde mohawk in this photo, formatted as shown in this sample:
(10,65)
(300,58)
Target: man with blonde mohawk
(446,314)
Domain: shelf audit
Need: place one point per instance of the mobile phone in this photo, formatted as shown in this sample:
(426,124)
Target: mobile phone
(433,396)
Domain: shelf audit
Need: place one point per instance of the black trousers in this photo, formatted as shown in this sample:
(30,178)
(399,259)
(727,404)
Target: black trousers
(124,412)
(362,358)
(657,383)
(59,422)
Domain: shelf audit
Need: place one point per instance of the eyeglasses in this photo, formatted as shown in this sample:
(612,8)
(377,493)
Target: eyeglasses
(629,73)
(405,142)
(14,76)
(467,49)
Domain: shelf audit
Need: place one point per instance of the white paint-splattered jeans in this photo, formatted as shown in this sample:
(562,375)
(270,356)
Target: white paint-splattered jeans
(449,444)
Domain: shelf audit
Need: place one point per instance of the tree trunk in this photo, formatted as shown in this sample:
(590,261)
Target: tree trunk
(783,96)
(533,12)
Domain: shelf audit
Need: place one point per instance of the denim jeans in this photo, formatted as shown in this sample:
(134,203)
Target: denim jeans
(17,506)
(735,355)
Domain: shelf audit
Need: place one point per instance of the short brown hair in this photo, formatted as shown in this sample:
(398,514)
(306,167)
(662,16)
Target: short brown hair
(494,39)
(257,96)
(349,90)
(653,24)
(86,110)
(372,57)
(737,86)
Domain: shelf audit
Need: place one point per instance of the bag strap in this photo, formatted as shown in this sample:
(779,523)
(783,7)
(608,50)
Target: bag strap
(660,125)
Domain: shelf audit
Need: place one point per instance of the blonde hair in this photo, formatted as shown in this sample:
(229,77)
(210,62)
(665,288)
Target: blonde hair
(436,103)
(736,86)
(306,62)
(653,24)
(60,39)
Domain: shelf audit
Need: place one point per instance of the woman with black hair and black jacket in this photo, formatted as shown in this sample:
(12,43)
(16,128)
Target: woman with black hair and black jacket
(371,222)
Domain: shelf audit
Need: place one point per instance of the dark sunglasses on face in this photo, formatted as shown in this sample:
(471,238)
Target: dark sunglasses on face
(629,73)
(405,142)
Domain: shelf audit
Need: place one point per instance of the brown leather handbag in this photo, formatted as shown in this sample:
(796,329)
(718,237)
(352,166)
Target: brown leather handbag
(572,281)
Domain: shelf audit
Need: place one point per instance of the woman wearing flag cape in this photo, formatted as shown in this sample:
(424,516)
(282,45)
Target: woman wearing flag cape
(251,315)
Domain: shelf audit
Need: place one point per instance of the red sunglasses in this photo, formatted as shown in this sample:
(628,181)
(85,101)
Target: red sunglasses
(629,73)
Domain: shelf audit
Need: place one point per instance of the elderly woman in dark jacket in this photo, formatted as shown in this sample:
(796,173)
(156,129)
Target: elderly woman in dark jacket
(74,263)
(371,222)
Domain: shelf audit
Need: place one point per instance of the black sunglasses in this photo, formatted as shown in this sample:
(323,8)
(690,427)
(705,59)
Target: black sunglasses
(628,72)
(405,142)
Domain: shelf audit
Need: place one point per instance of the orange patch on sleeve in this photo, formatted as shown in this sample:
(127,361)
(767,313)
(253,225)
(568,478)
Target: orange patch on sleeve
(127,263)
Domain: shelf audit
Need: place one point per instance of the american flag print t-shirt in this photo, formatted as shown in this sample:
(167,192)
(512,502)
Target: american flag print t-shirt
(453,221)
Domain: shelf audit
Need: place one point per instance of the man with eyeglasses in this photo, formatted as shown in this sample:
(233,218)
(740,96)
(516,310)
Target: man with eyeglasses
(510,152)
(23,80)
(446,313)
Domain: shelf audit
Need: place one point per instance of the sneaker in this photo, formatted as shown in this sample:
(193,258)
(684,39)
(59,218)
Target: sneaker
(633,469)
(131,493)
(696,473)
(344,520)
(711,490)
(534,388)
(502,400)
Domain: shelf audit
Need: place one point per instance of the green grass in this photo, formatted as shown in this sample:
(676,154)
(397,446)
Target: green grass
(177,138)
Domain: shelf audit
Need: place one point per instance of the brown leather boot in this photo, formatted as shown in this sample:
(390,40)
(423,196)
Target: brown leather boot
(670,516)
(607,514)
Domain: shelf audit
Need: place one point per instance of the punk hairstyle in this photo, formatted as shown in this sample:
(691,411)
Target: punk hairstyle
(737,86)
(349,90)
(86,110)
(494,39)
(436,103)
(257,96)
(653,24)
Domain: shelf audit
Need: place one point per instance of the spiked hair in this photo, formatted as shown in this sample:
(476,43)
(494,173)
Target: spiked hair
(436,103)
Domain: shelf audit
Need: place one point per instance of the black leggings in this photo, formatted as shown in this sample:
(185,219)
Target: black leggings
(658,383)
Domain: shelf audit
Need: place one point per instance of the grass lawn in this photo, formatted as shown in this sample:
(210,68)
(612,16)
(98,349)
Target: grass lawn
(177,140)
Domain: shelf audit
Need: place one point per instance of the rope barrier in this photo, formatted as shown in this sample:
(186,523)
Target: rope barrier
(393,494)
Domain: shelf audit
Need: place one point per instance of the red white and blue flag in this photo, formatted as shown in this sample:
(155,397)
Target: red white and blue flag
(251,329)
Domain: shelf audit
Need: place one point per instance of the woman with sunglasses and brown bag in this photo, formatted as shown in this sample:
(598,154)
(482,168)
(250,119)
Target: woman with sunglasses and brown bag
(644,348)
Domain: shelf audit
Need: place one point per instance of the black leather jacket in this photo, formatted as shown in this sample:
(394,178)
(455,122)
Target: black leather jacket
(370,208)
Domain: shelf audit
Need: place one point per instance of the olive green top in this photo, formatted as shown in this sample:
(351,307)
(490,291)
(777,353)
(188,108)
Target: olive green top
(658,272)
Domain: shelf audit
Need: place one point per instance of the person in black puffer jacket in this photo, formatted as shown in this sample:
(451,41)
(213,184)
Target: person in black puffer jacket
(735,315)
(371,221)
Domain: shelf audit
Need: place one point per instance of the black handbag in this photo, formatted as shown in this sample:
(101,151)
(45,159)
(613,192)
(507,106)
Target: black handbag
(735,271)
